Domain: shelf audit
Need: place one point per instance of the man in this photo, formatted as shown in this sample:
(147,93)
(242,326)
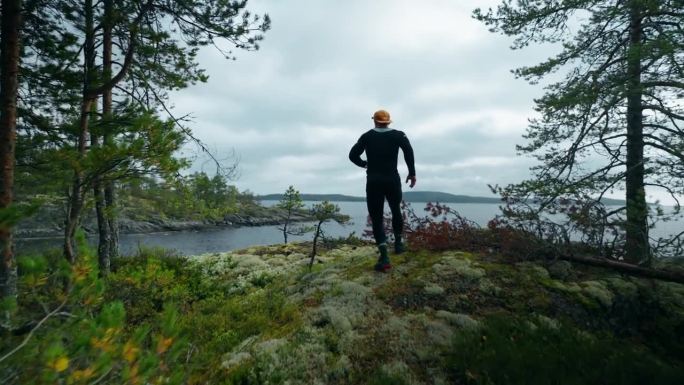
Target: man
(382,145)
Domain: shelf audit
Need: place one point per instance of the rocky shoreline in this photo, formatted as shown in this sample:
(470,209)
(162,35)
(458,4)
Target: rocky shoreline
(46,224)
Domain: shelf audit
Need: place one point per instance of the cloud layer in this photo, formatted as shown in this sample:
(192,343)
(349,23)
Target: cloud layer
(292,110)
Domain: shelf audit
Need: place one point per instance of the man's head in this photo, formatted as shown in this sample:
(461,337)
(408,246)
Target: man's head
(381,118)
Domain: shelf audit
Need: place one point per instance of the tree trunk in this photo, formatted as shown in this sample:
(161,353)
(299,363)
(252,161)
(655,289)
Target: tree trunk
(628,268)
(78,188)
(637,243)
(315,243)
(9,84)
(102,225)
(111,229)
(111,214)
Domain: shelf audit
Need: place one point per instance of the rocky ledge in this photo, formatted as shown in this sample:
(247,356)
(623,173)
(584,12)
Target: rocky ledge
(49,222)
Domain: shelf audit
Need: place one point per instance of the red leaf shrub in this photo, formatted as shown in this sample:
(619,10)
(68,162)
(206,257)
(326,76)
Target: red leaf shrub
(443,228)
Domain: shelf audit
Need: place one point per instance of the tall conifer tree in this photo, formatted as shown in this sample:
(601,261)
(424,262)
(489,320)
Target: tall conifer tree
(10,36)
(616,119)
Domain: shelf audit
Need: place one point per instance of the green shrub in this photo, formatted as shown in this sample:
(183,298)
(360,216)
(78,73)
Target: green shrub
(221,323)
(66,332)
(146,282)
(507,350)
(383,378)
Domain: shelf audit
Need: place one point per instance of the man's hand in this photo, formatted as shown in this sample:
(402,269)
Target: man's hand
(411,178)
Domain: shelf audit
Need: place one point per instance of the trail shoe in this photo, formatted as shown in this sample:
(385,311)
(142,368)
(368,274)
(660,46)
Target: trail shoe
(383,264)
(399,246)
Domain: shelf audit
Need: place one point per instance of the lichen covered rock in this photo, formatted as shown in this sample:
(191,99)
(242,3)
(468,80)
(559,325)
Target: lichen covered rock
(395,328)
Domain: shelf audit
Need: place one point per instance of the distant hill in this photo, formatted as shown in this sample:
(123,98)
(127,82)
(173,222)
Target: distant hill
(410,196)
(315,197)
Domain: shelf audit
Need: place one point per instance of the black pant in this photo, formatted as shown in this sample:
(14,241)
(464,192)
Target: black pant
(379,187)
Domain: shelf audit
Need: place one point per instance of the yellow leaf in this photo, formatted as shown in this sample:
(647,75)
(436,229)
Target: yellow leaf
(60,364)
(110,332)
(104,343)
(163,344)
(81,272)
(134,379)
(81,375)
(130,351)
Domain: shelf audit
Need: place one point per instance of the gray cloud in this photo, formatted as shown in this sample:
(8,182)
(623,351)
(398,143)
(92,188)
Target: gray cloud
(294,108)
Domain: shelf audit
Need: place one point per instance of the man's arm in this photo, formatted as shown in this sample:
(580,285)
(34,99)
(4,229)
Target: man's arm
(408,158)
(408,154)
(355,153)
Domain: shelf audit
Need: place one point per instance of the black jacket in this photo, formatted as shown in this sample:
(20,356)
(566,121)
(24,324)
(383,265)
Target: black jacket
(382,149)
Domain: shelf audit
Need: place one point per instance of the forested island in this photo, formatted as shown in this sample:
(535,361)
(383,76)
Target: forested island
(561,286)
(194,202)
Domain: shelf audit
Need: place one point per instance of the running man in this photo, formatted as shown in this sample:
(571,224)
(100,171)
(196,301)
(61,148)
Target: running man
(382,145)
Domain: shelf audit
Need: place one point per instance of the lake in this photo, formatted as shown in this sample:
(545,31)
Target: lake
(227,238)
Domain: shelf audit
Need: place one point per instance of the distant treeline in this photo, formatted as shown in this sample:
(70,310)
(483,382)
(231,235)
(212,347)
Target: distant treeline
(196,196)
(409,196)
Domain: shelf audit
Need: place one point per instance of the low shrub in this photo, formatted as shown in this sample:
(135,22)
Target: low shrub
(443,228)
(66,331)
(509,350)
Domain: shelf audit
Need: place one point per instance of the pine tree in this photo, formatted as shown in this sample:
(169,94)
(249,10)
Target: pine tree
(10,40)
(614,121)
(324,212)
(62,128)
(291,203)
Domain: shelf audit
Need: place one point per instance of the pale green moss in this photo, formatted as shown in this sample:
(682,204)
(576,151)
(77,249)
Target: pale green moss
(622,287)
(433,289)
(398,370)
(548,322)
(333,316)
(237,359)
(598,291)
(438,332)
(488,287)
(270,346)
(570,287)
(671,293)
(560,270)
(534,270)
(419,319)
(458,254)
(398,327)
(457,319)
(463,267)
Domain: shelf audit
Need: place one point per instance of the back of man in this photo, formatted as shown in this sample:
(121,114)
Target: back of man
(381,145)
(382,150)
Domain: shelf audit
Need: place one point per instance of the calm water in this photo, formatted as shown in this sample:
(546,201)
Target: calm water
(225,239)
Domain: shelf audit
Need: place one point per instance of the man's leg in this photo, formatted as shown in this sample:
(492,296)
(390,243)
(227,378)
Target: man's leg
(375,200)
(394,200)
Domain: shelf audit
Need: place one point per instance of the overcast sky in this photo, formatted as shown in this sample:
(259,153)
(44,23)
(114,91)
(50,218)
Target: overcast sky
(293,109)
